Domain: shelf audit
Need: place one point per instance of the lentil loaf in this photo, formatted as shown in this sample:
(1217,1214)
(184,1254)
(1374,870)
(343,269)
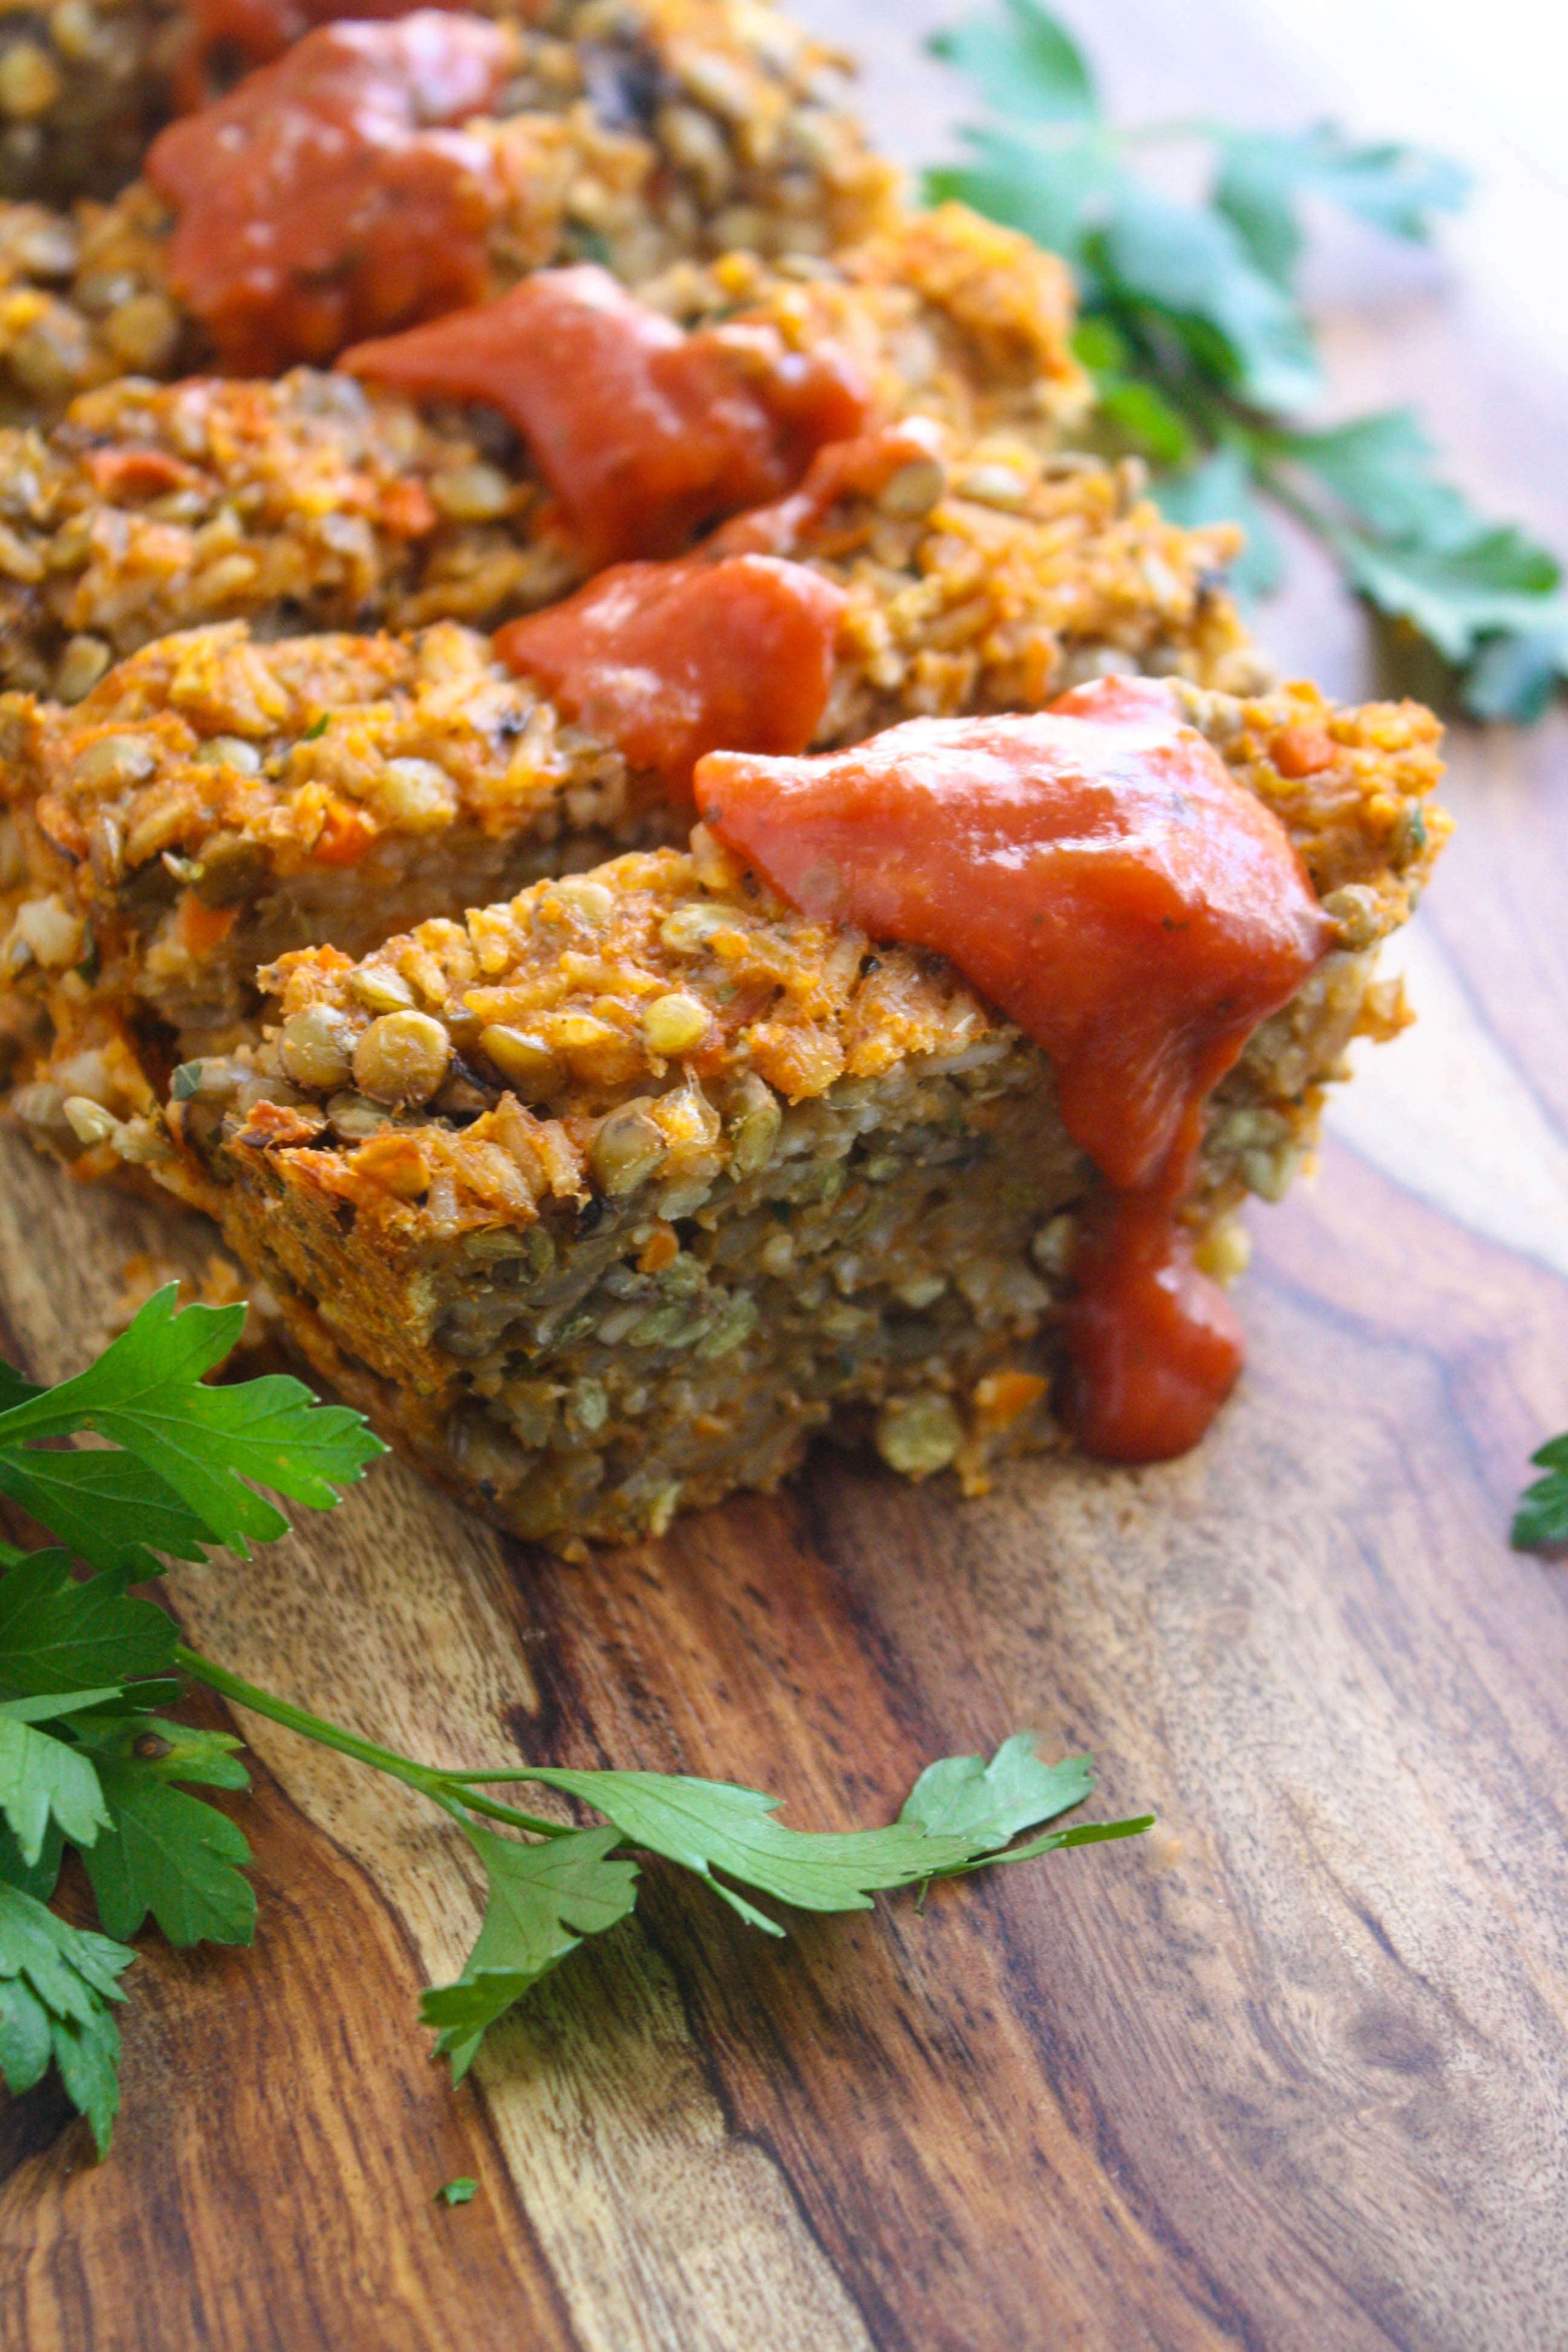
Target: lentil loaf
(600,1201)
(634,132)
(311,501)
(214,800)
(732,100)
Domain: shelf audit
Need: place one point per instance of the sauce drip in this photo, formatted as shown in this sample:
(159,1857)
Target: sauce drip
(328,196)
(668,661)
(1094,871)
(645,434)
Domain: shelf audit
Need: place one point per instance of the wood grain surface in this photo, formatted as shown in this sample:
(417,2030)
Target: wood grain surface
(1292,2073)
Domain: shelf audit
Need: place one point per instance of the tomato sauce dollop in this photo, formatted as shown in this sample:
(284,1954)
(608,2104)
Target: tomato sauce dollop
(668,661)
(1095,872)
(645,434)
(329,196)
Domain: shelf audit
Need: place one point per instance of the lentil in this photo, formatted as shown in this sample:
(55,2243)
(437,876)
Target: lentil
(402,1058)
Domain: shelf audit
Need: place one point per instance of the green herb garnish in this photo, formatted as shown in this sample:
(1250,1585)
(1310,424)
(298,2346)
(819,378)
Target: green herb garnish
(55,1982)
(1541,1522)
(90,1759)
(1204,359)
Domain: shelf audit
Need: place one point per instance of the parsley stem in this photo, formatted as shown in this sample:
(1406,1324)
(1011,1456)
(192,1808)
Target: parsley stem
(444,1789)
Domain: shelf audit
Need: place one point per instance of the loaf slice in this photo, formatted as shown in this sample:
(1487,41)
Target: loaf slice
(602,1200)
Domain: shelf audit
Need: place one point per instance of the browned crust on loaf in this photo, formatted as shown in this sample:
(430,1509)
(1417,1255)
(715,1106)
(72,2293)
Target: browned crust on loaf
(310,501)
(215,800)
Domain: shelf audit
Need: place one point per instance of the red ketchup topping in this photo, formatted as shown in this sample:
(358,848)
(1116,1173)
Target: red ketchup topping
(668,661)
(1094,871)
(645,434)
(327,197)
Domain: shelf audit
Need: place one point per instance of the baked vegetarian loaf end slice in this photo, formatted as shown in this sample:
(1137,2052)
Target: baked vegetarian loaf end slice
(600,1201)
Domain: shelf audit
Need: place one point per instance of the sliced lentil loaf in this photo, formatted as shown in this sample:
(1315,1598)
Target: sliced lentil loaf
(633,132)
(311,501)
(730,99)
(600,1201)
(215,800)
(218,802)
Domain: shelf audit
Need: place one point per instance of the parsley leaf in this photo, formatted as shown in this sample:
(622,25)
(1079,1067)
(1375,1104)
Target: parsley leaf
(89,1498)
(708,1826)
(1205,358)
(147,1393)
(1541,1522)
(54,1984)
(962,1795)
(1027,64)
(1163,261)
(84,1760)
(1515,678)
(46,1706)
(990,1803)
(1497,586)
(1055,1840)
(538,1895)
(39,1877)
(544,1898)
(39,1776)
(460,2192)
(1264,174)
(167,1852)
(56,1634)
(1381,470)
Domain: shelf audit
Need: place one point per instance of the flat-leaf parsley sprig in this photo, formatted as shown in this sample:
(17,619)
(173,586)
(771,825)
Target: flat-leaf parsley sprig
(1204,359)
(1541,1522)
(92,1760)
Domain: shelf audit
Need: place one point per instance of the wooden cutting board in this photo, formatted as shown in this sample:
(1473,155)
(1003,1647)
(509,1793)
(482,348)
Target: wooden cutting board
(1290,2072)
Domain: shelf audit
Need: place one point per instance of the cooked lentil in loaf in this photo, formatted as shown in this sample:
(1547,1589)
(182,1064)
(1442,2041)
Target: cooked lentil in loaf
(215,801)
(83,87)
(636,132)
(602,1200)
